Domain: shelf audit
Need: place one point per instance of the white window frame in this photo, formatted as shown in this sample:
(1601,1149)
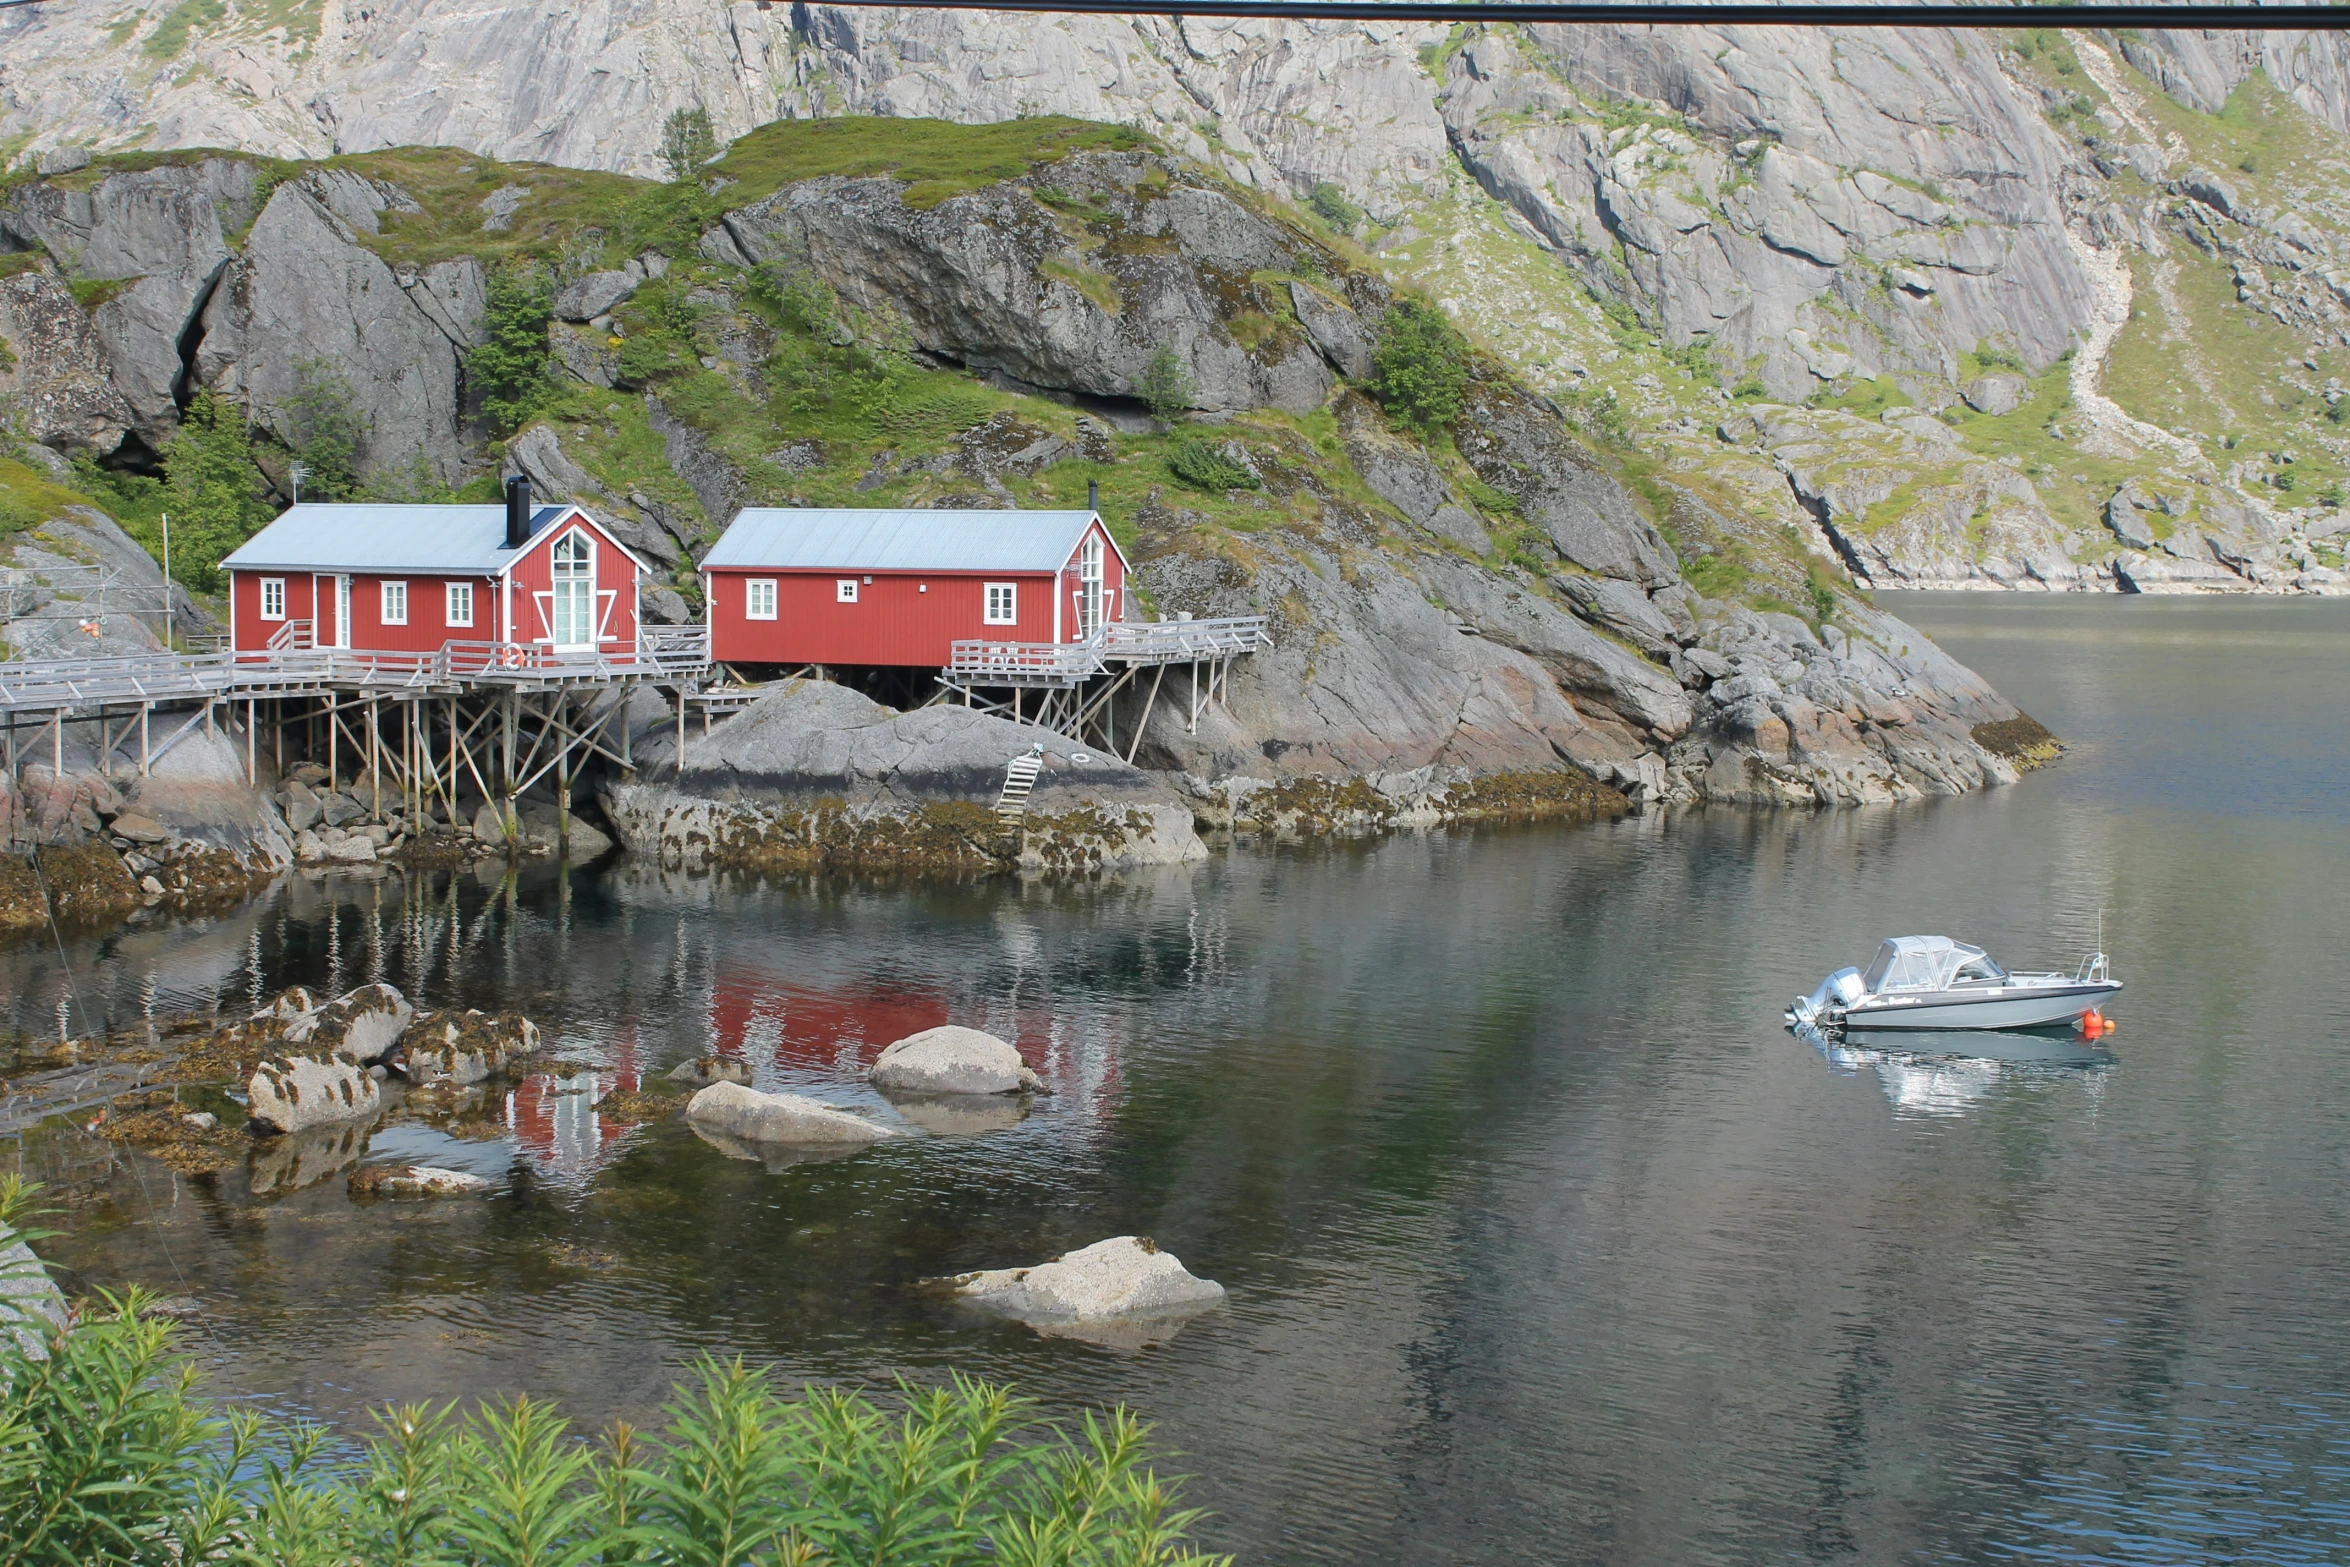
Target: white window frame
(390,592)
(457,602)
(987,605)
(273,588)
(844,590)
(580,571)
(755,590)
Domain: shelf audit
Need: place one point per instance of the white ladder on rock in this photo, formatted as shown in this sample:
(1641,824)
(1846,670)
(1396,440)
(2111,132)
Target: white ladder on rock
(1011,806)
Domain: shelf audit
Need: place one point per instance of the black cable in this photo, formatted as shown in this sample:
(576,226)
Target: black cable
(1649,13)
(2305,18)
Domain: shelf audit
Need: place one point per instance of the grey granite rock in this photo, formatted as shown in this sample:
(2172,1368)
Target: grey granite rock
(952,1060)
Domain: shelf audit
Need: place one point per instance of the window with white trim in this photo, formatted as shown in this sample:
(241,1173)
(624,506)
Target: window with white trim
(1003,604)
(845,590)
(460,604)
(395,603)
(759,598)
(273,598)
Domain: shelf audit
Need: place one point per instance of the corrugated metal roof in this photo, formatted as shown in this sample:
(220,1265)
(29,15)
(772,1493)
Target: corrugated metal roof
(881,539)
(316,536)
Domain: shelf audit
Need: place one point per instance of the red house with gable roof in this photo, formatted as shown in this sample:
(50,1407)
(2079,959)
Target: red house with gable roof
(411,579)
(845,586)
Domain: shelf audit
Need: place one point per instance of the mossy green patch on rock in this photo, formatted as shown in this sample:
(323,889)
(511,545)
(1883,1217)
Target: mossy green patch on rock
(2022,740)
(87,883)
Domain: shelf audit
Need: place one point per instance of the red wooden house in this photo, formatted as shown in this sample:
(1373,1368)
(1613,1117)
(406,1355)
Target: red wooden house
(411,579)
(890,587)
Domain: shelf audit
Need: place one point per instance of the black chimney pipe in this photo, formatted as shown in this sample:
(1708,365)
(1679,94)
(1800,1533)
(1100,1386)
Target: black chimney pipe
(517,511)
(1093,495)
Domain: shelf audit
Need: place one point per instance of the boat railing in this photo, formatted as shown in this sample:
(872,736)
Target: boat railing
(2095,969)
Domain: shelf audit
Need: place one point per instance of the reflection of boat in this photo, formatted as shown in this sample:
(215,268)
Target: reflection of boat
(1932,983)
(2052,1047)
(1935,1073)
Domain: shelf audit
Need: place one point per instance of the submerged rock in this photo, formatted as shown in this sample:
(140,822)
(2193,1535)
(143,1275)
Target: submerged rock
(746,1114)
(1124,1276)
(960,1115)
(415,1180)
(953,1060)
(298,1093)
(702,1071)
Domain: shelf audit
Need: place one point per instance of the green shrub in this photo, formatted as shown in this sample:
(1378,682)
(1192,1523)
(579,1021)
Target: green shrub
(7,357)
(509,369)
(687,142)
(1331,206)
(322,430)
(108,1456)
(217,498)
(1202,465)
(1166,386)
(1420,367)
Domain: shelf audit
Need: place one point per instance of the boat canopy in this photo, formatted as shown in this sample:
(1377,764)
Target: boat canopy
(1926,963)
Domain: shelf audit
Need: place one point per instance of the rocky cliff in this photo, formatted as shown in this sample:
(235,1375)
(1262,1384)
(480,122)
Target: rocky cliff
(972,323)
(1933,300)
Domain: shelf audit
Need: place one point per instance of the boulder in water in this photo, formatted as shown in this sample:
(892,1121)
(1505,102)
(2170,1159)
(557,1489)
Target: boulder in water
(297,1093)
(745,1114)
(1124,1276)
(952,1060)
(361,1025)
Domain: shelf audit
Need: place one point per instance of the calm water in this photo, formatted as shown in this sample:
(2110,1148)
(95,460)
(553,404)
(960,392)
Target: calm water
(1545,1241)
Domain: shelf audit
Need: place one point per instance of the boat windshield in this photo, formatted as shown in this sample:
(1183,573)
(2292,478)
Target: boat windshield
(1928,963)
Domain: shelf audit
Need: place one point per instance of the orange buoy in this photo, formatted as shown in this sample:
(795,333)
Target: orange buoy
(2106,1025)
(2092,1023)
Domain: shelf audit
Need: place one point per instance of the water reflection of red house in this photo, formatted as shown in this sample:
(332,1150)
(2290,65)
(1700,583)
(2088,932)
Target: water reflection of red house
(553,1116)
(757,1017)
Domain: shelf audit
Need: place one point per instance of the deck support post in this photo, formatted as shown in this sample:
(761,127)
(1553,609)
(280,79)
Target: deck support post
(563,779)
(145,751)
(510,769)
(252,761)
(627,756)
(333,744)
(375,775)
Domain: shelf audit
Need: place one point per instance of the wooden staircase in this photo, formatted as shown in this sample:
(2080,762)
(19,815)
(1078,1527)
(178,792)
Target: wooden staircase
(1011,806)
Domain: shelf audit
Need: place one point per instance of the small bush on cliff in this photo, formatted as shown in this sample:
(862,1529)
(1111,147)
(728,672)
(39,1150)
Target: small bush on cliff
(1202,465)
(216,497)
(1331,206)
(1166,387)
(509,369)
(107,1455)
(1420,367)
(687,142)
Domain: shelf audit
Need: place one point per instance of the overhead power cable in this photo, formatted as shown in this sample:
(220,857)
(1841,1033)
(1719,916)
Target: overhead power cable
(2296,18)
(1640,13)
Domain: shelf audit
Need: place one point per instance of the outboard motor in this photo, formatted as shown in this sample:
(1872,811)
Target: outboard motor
(1827,1004)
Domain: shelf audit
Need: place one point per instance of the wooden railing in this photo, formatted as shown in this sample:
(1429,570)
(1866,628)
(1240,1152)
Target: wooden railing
(1122,642)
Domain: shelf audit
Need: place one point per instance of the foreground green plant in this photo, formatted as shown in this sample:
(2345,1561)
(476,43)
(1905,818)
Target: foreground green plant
(107,1456)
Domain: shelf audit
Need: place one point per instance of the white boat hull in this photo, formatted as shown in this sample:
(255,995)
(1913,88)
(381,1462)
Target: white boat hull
(2034,1006)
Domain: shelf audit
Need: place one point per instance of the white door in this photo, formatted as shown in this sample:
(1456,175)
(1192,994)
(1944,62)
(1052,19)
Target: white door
(573,617)
(1089,594)
(342,612)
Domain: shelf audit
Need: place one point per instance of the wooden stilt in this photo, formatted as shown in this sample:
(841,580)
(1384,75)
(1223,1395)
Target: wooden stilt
(375,776)
(145,708)
(512,770)
(563,786)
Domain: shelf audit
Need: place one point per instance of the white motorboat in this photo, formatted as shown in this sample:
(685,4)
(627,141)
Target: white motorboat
(1932,982)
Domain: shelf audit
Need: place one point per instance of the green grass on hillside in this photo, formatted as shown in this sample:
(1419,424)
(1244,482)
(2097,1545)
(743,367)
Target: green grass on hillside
(29,498)
(937,158)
